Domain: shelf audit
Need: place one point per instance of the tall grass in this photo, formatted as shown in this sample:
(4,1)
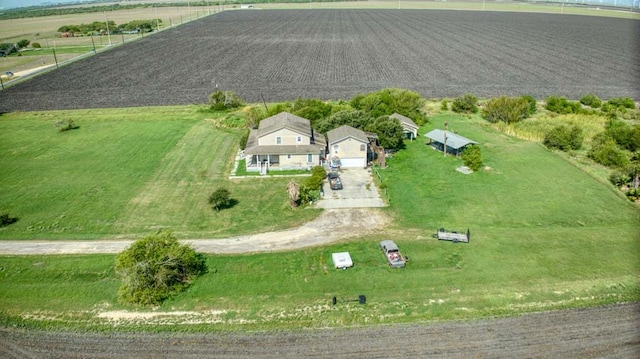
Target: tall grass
(535,128)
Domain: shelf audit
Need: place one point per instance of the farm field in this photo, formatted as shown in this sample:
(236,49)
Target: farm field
(335,54)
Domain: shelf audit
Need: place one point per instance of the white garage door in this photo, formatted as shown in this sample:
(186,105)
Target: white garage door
(353,162)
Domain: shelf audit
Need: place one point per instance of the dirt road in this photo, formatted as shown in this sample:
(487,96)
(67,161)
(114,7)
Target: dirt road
(602,332)
(332,225)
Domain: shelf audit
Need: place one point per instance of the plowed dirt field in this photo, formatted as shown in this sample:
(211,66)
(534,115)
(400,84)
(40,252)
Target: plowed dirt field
(335,54)
(604,332)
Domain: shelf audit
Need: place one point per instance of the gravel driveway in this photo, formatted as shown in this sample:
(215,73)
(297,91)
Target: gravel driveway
(358,191)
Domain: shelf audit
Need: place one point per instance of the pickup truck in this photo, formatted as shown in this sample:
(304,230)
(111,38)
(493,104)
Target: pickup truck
(392,253)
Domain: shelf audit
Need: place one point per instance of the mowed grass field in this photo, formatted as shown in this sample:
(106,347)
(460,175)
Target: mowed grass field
(544,235)
(126,172)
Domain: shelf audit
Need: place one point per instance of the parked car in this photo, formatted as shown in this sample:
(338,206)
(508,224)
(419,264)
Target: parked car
(334,181)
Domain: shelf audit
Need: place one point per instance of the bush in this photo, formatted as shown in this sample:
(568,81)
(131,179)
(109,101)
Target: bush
(22,43)
(619,178)
(66,125)
(156,267)
(386,102)
(562,106)
(465,104)
(564,138)
(472,157)
(36,45)
(622,103)
(445,105)
(220,199)
(310,188)
(224,100)
(591,100)
(506,109)
(605,152)
(533,104)
(625,136)
(6,220)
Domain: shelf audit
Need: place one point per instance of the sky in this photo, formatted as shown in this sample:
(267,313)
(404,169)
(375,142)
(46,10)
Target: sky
(7,4)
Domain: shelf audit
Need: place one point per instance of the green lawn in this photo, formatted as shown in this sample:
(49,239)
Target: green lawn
(128,172)
(544,235)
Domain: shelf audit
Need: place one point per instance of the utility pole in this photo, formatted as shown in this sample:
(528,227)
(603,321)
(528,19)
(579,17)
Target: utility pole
(445,138)
(106,21)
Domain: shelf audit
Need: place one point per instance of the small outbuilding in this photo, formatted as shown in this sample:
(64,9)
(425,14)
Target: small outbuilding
(455,143)
(342,260)
(409,128)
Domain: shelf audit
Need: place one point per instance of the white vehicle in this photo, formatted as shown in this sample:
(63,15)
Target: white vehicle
(342,260)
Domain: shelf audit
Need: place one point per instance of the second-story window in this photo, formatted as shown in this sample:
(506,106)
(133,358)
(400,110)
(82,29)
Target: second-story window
(278,140)
(363,147)
(299,139)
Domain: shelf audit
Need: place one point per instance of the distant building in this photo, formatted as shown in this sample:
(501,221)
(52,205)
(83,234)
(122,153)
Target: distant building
(455,143)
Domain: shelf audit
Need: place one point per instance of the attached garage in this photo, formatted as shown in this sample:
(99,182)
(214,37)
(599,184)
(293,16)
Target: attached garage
(353,162)
(350,144)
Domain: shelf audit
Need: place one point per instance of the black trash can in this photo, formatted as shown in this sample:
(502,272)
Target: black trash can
(362,299)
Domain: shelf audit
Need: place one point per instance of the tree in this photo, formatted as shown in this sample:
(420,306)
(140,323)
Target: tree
(506,109)
(22,43)
(156,267)
(472,157)
(564,138)
(386,102)
(562,106)
(293,190)
(465,104)
(220,198)
(389,131)
(591,100)
(354,118)
(312,109)
(223,100)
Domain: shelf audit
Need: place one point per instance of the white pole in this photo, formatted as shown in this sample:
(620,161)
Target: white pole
(157,20)
(107,23)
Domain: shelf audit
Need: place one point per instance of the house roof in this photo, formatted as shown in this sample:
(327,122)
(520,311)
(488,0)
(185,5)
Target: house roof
(454,141)
(344,132)
(319,142)
(404,121)
(284,120)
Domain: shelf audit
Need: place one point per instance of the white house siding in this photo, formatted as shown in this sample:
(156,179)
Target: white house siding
(350,152)
(289,138)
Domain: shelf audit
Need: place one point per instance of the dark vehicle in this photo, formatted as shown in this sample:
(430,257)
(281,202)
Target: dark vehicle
(334,181)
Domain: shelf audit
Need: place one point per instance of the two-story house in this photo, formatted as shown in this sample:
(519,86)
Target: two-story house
(284,141)
(350,145)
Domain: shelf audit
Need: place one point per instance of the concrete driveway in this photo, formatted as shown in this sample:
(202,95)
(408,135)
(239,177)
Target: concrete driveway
(358,191)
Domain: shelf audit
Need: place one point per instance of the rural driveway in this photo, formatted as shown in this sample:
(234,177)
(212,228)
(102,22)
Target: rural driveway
(358,191)
(332,225)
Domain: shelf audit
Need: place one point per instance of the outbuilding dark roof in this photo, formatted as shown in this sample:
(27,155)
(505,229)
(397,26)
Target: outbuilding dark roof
(453,140)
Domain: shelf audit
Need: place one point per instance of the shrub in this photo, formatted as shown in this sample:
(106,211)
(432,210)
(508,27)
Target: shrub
(223,100)
(465,104)
(310,188)
(156,267)
(6,220)
(220,199)
(622,103)
(389,101)
(36,45)
(506,109)
(445,105)
(619,178)
(532,104)
(605,152)
(562,106)
(66,125)
(591,100)
(472,157)
(22,43)
(564,138)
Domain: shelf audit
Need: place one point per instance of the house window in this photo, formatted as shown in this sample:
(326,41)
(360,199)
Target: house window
(289,157)
(309,158)
(278,140)
(299,139)
(363,147)
(335,148)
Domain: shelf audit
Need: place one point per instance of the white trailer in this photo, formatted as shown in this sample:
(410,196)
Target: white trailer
(342,260)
